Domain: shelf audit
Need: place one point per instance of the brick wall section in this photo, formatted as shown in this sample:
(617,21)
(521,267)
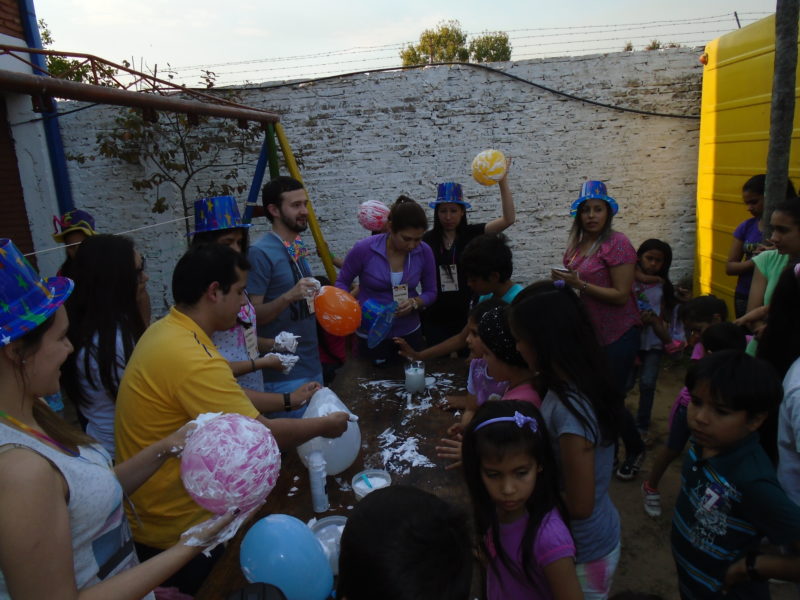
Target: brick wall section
(377,135)
(10,21)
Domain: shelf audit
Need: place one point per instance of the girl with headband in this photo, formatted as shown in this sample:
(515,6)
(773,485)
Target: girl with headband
(521,519)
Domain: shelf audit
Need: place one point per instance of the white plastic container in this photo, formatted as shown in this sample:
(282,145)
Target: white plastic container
(329,533)
(376,478)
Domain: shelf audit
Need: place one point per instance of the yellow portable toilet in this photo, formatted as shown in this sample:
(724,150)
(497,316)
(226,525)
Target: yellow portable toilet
(734,139)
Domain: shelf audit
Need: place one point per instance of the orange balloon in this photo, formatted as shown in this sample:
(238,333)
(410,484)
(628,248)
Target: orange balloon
(337,311)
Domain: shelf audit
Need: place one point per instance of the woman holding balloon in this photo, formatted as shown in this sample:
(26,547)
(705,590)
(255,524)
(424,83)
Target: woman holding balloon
(450,235)
(390,266)
(61,501)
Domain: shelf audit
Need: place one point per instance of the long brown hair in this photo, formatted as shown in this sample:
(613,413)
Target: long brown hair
(576,232)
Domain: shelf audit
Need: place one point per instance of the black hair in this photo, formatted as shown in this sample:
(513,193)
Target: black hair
(629,595)
(273,190)
(569,358)
(723,336)
(437,232)
(201,266)
(780,343)
(495,441)
(666,250)
(738,381)
(211,237)
(481,308)
(486,254)
(755,185)
(538,287)
(401,542)
(495,333)
(790,207)
(65,270)
(758,183)
(703,309)
(407,214)
(103,308)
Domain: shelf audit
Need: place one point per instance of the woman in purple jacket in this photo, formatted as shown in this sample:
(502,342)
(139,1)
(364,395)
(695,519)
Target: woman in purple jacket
(390,267)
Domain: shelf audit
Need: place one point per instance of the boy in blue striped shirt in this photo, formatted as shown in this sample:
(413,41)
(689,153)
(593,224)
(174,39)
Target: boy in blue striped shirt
(730,497)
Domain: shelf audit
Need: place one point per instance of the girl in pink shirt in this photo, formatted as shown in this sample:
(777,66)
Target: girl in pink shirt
(481,387)
(511,474)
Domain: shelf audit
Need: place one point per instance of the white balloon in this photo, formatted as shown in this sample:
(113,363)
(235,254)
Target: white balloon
(339,453)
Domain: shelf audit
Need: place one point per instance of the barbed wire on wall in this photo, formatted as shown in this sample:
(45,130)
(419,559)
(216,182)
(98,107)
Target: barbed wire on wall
(571,40)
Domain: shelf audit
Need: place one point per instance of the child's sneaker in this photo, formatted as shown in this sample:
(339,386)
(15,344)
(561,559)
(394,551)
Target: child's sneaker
(630,467)
(652,500)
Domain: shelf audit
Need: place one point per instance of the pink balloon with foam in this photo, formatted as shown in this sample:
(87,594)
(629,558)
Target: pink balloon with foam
(230,461)
(373,215)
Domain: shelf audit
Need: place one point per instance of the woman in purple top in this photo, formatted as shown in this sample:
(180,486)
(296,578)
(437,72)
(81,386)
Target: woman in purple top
(748,240)
(390,267)
(600,263)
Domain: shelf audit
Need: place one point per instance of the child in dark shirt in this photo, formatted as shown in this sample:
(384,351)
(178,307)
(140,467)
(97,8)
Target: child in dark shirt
(730,497)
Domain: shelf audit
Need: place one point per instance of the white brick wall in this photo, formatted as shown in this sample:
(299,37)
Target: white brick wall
(378,135)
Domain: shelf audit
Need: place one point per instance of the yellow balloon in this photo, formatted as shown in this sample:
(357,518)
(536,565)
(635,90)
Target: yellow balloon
(489,167)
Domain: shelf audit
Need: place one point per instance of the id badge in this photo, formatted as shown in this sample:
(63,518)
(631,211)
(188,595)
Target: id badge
(251,341)
(400,292)
(448,277)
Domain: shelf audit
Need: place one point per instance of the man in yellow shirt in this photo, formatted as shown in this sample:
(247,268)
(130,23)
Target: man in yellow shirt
(175,374)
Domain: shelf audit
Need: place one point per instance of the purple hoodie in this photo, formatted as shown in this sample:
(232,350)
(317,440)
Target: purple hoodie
(367,261)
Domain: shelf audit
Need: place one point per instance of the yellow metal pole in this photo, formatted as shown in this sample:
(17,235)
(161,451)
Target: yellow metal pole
(319,240)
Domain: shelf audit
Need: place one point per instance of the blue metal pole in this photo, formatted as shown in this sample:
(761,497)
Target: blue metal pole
(55,145)
(258,178)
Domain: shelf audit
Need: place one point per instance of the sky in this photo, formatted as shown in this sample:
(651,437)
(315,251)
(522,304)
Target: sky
(257,41)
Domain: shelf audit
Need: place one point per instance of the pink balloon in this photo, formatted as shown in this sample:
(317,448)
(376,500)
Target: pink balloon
(230,461)
(373,215)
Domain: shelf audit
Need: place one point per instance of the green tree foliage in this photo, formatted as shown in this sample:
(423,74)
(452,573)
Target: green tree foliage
(490,47)
(178,152)
(73,69)
(448,43)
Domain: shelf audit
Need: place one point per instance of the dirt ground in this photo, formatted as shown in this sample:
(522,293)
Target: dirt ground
(646,564)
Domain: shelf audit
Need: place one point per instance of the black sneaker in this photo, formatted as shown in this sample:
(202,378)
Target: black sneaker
(630,467)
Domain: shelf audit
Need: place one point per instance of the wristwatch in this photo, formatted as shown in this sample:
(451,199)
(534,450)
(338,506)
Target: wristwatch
(287,401)
(750,565)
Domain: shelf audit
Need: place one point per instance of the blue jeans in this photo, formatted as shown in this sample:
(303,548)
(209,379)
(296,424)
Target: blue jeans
(621,356)
(648,374)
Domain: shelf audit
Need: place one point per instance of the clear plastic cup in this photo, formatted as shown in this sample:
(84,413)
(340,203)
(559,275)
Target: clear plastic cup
(415,377)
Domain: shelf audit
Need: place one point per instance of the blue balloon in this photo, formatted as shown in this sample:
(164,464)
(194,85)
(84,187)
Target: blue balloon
(283,551)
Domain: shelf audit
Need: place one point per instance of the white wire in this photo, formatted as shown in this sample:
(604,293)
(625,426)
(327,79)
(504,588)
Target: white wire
(118,233)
